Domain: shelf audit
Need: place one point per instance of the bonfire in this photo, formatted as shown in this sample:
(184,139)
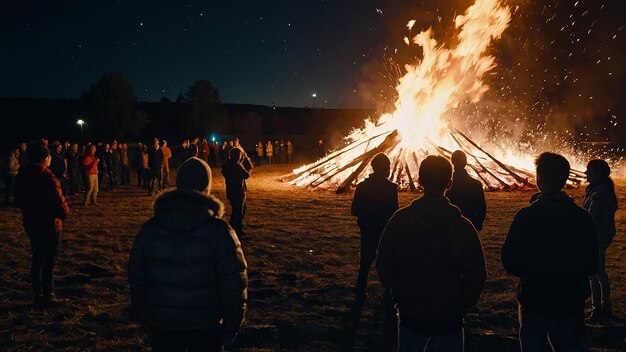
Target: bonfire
(422,124)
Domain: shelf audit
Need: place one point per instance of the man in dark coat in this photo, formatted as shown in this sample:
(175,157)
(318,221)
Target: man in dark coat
(552,247)
(38,194)
(432,259)
(187,272)
(236,170)
(466,192)
(375,200)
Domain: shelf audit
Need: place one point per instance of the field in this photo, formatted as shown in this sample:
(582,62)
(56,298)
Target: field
(302,252)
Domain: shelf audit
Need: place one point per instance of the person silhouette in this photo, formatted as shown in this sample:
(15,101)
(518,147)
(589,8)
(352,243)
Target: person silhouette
(466,192)
(432,259)
(374,202)
(551,246)
(601,202)
(186,270)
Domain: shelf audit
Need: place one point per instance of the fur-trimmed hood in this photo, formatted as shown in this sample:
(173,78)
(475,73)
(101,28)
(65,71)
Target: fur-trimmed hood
(185,210)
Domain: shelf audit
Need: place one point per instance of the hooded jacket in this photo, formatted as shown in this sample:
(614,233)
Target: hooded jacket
(38,194)
(602,206)
(186,268)
(551,246)
(432,259)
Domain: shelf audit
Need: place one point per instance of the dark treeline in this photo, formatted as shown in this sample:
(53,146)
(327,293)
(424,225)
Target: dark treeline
(25,119)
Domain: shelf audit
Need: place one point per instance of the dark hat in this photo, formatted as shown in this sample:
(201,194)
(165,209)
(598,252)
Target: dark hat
(37,153)
(194,174)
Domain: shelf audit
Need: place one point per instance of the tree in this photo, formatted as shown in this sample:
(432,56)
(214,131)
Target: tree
(204,111)
(112,106)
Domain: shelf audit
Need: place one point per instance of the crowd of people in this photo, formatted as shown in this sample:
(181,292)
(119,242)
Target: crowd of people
(188,274)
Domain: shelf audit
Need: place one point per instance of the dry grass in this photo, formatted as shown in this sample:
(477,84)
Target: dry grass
(302,252)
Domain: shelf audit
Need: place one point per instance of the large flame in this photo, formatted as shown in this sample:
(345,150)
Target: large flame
(443,79)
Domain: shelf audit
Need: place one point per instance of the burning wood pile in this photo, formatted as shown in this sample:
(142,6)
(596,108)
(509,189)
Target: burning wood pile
(423,120)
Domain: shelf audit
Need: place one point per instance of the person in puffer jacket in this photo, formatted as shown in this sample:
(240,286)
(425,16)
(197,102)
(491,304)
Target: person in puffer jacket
(187,272)
(552,247)
(432,259)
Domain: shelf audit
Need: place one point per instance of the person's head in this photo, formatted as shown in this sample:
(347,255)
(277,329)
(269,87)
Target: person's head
(39,154)
(459,160)
(125,146)
(381,165)
(114,144)
(107,147)
(139,145)
(156,144)
(56,146)
(435,174)
(23,146)
(164,142)
(597,171)
(235,154)
(92,150)
(195,175)
(75,147)
(552,172)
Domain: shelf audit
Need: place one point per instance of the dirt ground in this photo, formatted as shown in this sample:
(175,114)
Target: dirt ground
(302,251)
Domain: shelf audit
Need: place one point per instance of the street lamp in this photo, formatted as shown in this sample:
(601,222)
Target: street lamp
(80,123)
(314,95)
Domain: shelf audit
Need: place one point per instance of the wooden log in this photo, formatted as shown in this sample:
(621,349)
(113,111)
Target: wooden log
(292,176)
(389,143)
(408,174)
(504,167)
(505,185)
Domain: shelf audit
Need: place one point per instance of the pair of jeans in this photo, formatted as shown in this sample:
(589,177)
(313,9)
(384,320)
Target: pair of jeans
(169,340)
(369,246)
(91,193)
(411,341)
(600,285)
(156,175)
(539,333)
(44,250)
(238,205)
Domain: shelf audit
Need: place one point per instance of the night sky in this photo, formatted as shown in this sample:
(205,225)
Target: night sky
(554,56)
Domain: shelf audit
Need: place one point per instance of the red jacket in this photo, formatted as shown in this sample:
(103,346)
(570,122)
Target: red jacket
(38,194)
(90,164)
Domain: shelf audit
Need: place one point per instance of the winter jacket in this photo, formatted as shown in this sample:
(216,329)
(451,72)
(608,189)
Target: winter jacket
(235,175)
(375,200)
(57,165)
(38,194)
(601,204)
(467,194)
(186,269)
(551,246)
(432,259)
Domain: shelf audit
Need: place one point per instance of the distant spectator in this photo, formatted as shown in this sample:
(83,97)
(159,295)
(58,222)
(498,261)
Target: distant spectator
(74,166)
(205,150)
(321,149)
(167,154)
(552,247)
(23,154)
(139,164)
(193,148)
(432,259)
(269,152)
(57,164)
(259,153)
(289,151)
(187,272)
(38,195)
(12,168)
(90,165)
(155,164)
(124,165)
(466,192)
